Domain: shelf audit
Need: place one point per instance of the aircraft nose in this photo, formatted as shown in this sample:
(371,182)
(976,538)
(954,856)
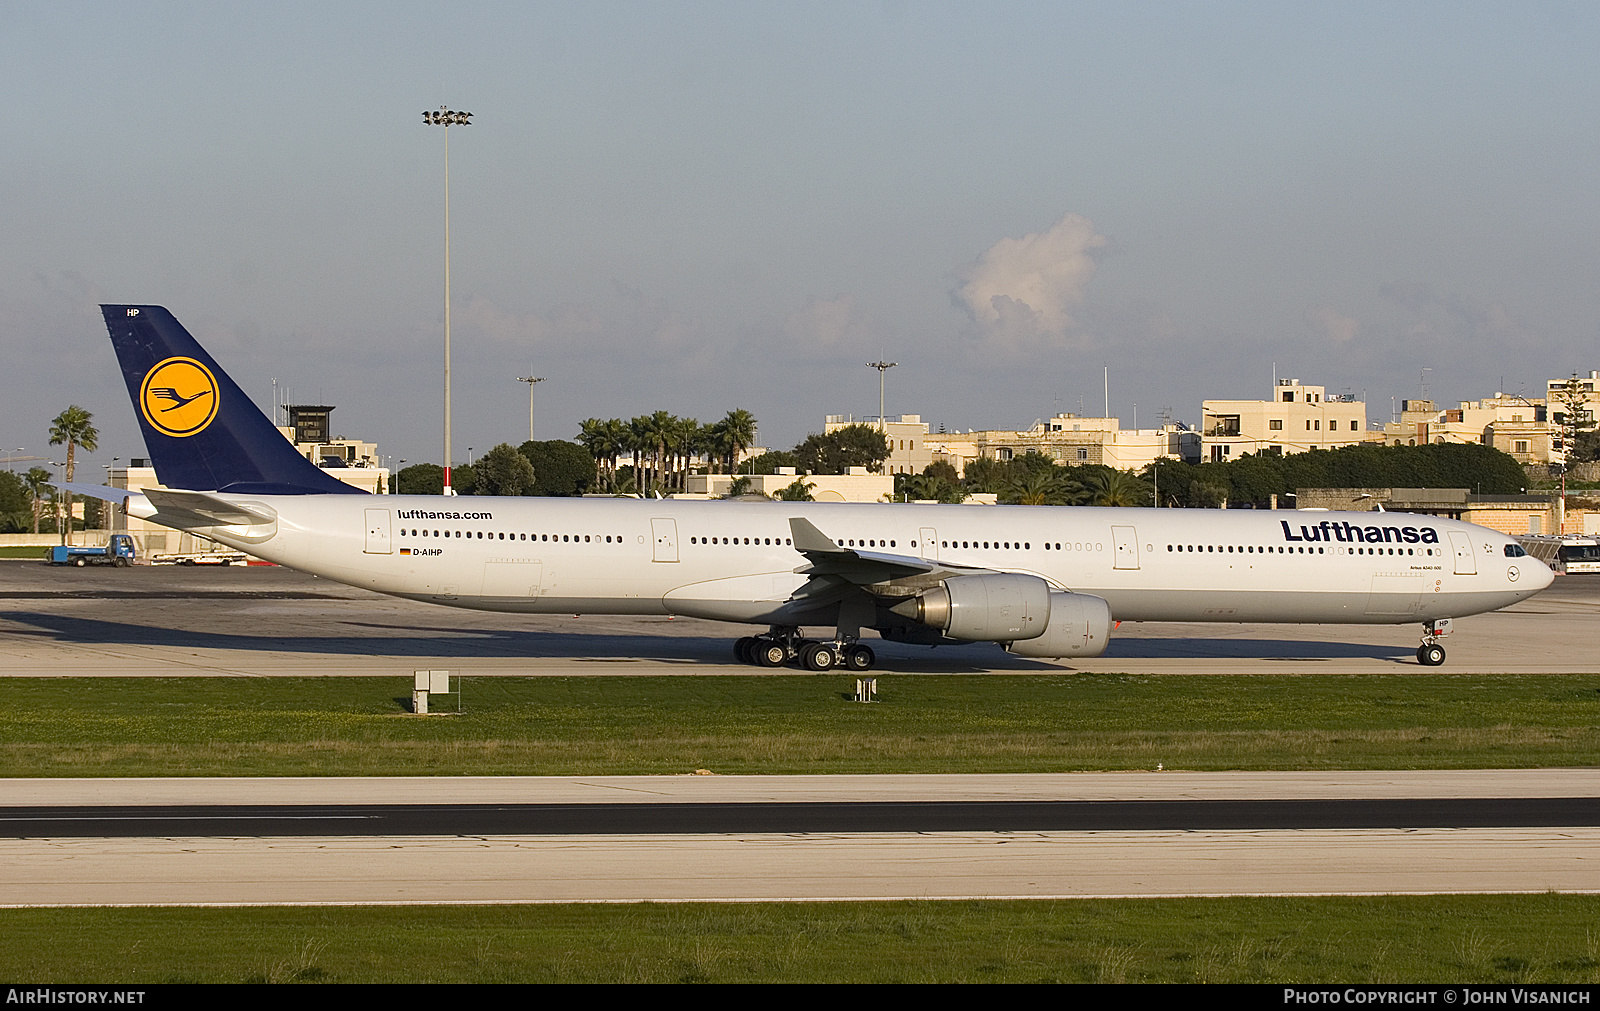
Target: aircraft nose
(1537,575)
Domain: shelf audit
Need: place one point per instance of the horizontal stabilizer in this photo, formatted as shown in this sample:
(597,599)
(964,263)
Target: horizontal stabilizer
(99,491)
(214,509)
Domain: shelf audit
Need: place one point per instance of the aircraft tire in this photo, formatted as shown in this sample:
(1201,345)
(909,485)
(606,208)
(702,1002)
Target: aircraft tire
(859,659)
(819,657)
(742,650)
(769,653)
(1430,655)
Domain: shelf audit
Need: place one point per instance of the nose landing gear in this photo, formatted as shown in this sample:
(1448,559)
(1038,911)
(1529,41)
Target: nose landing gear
(1430,653)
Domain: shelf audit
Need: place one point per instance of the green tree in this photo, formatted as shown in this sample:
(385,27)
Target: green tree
(74,427)
(37,480)
(769,462)
(420,479)
(927,487)
(942,470)
(1569,409)
(560,468)
(13,504)
(799,491)
(1118,488)
(985,475)
(733,435)
(1041,487)
(741,486)
(503,471)
(849,446)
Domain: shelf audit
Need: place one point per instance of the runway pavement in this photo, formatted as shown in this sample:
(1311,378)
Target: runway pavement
(268,621)
(1214,834)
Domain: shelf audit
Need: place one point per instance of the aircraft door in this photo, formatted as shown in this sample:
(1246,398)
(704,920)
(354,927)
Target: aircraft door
(930,542)
(665,534)
(378,540)
(1126,540)
(1466,564)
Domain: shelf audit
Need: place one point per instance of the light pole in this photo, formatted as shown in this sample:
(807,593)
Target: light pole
(447,118)
(531,381)
(882,367)
(11,455)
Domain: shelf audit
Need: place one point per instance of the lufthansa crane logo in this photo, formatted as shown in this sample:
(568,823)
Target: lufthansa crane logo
(179,397)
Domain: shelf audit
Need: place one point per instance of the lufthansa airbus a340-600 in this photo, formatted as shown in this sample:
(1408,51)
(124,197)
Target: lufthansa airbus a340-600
(1042,581)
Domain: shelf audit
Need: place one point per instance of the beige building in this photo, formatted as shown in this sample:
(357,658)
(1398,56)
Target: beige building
(1298,418)
(1511,424)
(1071,441)
(907,435)
(1514,515)
(857,486)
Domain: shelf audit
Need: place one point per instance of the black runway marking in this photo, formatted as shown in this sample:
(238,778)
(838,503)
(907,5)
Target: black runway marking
(790,818)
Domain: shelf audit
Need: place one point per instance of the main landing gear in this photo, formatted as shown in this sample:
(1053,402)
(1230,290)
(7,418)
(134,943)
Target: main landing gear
(782,646)
(1430,653)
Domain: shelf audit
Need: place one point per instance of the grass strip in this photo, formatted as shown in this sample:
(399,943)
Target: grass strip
(1461,939)
(795,724)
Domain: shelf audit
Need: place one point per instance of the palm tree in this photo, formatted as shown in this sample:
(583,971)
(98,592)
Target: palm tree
(602,440)
(1118,488)
(38,480)
(1039,487)
(738,432)
(73,427)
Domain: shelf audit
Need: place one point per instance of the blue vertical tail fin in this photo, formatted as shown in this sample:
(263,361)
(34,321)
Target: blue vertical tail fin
(203,433)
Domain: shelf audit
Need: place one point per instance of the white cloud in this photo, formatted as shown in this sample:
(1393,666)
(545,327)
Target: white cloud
(1028,286)
(827,321)
(570,323)
(1336,325)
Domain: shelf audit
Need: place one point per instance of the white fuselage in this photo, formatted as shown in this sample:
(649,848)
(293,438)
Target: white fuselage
(731,560)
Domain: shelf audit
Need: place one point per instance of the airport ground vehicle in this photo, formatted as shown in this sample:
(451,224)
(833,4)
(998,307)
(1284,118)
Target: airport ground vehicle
(201,558)
(119,551)
(1042,581)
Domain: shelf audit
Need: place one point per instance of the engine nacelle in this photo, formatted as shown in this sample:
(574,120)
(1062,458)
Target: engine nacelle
(1001,607)
(1080,625)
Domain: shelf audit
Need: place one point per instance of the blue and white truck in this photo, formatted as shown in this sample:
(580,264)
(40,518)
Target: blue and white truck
(119,552)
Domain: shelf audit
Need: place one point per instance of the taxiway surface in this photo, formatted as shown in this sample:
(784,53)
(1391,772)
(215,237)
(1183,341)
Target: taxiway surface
(266,621)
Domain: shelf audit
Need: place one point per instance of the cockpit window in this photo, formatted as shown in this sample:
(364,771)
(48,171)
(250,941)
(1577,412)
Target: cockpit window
(1514,551)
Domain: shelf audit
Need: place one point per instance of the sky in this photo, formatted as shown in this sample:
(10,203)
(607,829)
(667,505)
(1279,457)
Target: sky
(697,207)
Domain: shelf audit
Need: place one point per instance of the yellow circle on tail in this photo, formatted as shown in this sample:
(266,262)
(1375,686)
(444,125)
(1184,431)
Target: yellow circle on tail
(179,397)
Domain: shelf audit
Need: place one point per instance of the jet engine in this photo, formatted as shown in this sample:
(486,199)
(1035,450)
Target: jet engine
(1000,607)
(1080,625)
(1021,611)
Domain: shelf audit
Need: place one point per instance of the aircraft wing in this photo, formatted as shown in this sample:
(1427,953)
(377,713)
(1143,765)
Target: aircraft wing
(832,565)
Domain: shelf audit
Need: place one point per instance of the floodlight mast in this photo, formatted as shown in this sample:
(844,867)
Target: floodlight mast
(882,367)
(447,118)
(531,380)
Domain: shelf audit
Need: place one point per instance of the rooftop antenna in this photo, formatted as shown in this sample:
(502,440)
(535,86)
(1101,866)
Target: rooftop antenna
(1107,378)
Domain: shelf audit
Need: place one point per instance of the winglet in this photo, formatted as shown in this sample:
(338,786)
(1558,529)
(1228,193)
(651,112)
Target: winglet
(808,539)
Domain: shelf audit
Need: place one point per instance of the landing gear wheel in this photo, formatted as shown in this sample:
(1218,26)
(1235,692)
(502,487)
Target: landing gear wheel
(741,649)
(819,656)
(859,659)
(1430,654)
(769,653)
